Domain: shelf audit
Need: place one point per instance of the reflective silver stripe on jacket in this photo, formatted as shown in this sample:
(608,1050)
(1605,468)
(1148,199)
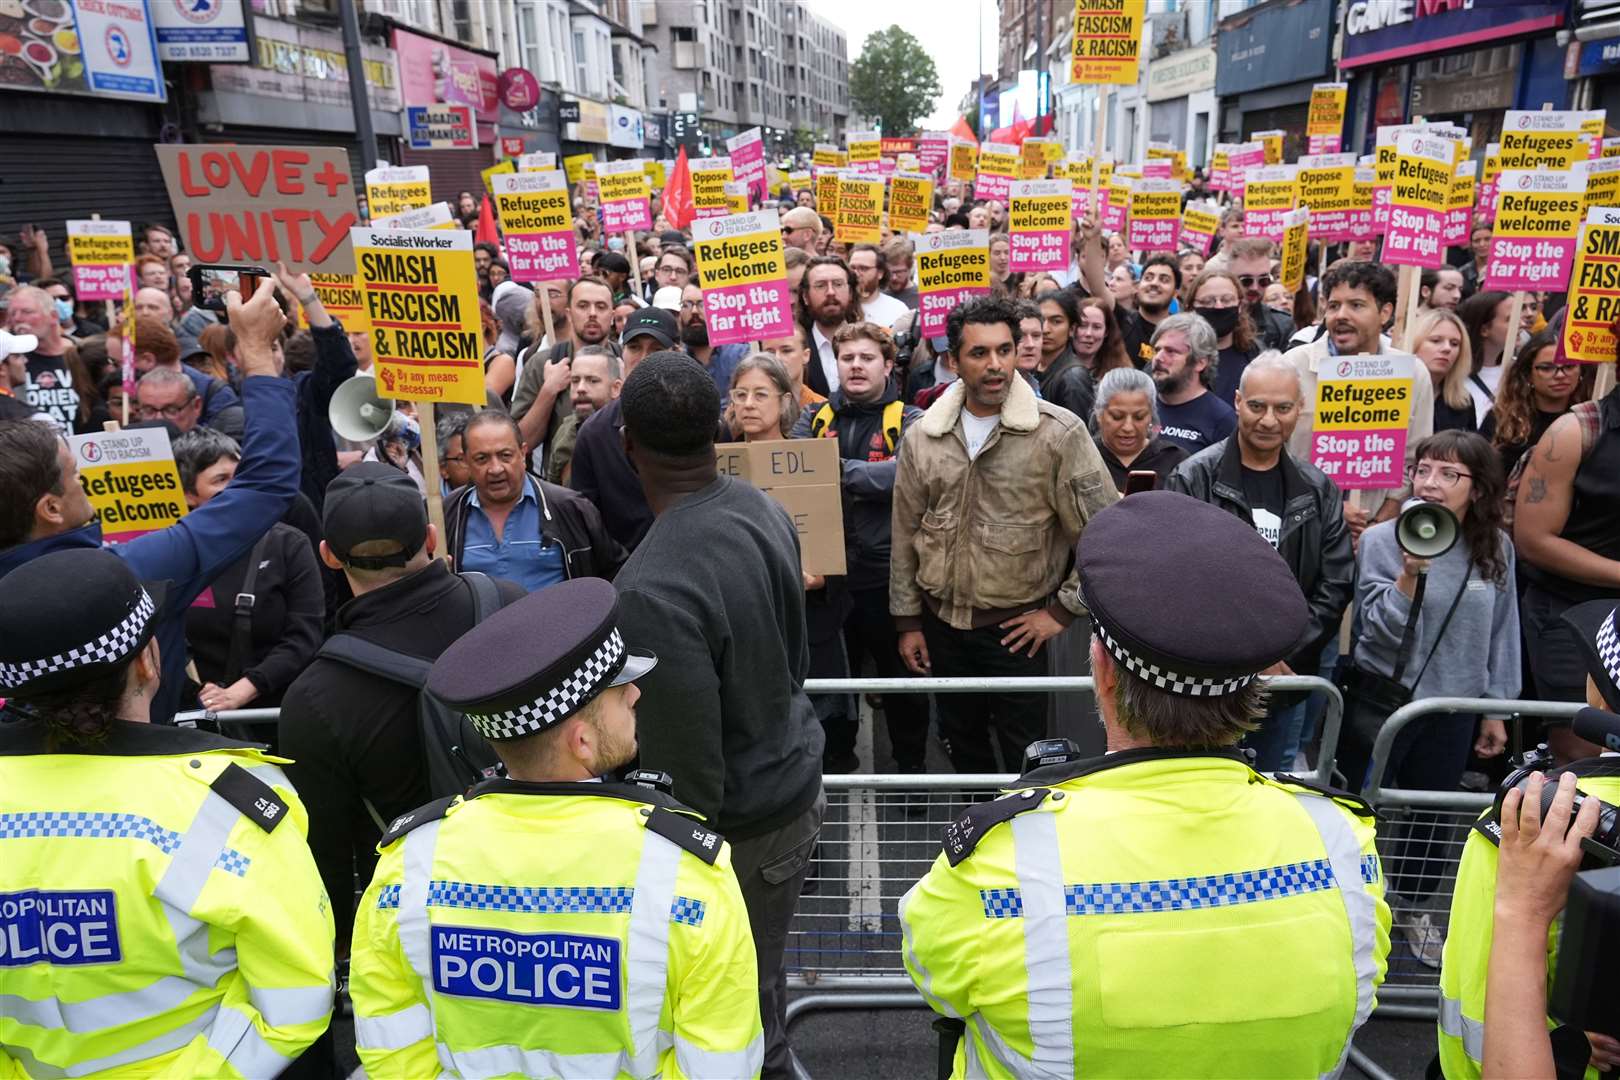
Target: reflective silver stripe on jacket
(1039,864)
(169,1041)
(396,1031)
(236,1038)
(1360,906)
(1454,1023)
(646,977)
(646,967)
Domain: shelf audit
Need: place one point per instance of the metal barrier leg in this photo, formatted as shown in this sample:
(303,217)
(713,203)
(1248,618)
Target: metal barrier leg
(1367,1065)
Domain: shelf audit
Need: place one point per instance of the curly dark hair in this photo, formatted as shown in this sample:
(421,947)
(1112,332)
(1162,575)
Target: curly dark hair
(80,715)
(983,309)
(669,406)
(1482,529)
(1375,278)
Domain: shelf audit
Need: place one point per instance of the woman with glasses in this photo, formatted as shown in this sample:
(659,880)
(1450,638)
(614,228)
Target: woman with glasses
(1465,644)
(1440,342)
(252,661)
(1217,297)
(1536,389)
(761,403)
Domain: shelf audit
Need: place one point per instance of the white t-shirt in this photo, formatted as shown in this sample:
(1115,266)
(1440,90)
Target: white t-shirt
(976,430)
(883,309)
(1267,524)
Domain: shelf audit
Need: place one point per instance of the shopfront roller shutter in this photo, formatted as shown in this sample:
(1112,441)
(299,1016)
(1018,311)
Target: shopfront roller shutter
(451,171)
(47,179)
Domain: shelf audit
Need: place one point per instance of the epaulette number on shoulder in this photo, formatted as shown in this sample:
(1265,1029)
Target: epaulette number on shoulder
(963,835)
(686,833)
(1347,799)
(256,799)
(403,824)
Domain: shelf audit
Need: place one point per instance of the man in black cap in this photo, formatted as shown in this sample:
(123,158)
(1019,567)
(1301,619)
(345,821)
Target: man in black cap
(620,906)
(716,586)
(159,910)
(1116,918)
(355,736)
(615,268)
(601,471)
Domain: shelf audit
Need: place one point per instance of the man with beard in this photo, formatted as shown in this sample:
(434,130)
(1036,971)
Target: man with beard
(990,451)
(828,298)
(718,361)
(1358,298)
(869,420)
(870,273)
(600,468)
(595,381)
(1249,260)
(512,525)
(1185,351)
(1155,289)
(541,400)
(665,918)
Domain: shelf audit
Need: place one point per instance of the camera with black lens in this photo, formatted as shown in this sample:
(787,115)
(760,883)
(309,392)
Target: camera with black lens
(1582,995)
(1603,846)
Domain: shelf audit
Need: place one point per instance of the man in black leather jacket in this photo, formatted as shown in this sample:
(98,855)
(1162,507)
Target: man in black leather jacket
(1294,505)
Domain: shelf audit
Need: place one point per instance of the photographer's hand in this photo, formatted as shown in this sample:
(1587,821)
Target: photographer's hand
(257,321)
(1537,860)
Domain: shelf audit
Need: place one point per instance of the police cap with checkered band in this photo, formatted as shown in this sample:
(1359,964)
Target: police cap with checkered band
(1597,626)
(1186,596)
(71,617)
(538,661)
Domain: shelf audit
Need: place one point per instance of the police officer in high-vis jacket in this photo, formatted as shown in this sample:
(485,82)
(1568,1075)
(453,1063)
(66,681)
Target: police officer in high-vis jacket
(558,922)
(1466,958)
(1163,910)
(160,914)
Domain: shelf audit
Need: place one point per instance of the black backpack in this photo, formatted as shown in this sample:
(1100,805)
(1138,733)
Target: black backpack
(457,755)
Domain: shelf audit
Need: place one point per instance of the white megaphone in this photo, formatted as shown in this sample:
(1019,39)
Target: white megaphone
(1426,530)
(358,412)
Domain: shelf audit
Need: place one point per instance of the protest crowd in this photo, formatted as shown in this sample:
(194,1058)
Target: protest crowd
(426,628)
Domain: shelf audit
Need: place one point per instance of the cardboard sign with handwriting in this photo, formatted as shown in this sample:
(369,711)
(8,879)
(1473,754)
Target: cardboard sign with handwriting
(803,476)
(258,204)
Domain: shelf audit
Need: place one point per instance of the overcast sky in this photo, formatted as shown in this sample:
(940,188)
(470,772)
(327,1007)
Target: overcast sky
(945,28)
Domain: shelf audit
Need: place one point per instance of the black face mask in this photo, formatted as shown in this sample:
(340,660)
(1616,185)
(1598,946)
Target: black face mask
(1222,320)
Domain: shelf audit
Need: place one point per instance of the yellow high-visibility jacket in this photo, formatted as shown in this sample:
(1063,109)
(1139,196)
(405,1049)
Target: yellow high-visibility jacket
(1153,913)
(555,930)
(160,913)
(1466,957)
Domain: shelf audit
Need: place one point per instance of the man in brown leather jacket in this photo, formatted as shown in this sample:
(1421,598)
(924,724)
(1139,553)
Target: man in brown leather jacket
(991,495)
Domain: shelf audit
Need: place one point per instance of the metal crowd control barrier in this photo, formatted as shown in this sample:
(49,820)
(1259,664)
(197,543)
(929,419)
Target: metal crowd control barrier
(1420,842)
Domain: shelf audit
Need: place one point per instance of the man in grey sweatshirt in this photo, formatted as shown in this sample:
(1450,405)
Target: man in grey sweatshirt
(715,589)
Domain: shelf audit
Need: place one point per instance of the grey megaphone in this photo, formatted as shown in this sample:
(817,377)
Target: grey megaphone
(1426,530)
(358,412)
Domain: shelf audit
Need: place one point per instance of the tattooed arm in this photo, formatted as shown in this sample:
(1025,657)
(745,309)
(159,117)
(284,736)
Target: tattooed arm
(1542,509)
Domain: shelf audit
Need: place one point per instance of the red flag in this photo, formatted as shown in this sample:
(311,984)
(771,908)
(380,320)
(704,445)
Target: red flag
(486,231)
(962,131)
(678,205)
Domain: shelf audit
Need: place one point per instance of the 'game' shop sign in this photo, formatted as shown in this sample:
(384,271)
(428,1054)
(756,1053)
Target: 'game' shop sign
(1386,31)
